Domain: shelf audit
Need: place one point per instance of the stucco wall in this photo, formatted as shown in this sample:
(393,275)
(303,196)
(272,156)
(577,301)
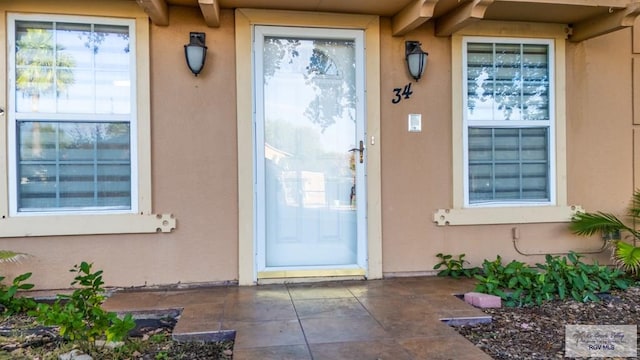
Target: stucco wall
(194,176)
(194,164)
(417,167)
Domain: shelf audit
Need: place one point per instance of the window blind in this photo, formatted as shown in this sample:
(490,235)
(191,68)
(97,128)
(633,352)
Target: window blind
(74,166)
(508,164)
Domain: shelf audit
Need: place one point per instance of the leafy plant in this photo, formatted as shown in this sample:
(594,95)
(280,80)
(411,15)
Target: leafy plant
(454,267)
(8,299)
(558,278)
(80,316)
(514,283)
(625,255)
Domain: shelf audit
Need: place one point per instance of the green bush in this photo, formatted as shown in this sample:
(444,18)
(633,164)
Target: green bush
(558,278)
(80,316)
(454,267)
(8,299)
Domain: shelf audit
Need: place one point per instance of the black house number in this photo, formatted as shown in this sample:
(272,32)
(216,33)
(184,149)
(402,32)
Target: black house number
(402,93)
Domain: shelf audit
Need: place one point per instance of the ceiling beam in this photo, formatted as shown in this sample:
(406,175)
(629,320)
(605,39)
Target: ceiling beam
(462,16)
(604,24)
(413,15)
(157,10)
(211,11)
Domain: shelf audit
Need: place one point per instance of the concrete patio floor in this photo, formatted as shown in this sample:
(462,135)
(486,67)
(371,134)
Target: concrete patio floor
(378,319)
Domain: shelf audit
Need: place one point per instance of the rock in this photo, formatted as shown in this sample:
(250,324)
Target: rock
(109,344)
(482,300)
(75,355)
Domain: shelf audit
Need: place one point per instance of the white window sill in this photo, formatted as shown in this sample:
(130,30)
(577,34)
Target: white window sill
(505,215)
(86,224)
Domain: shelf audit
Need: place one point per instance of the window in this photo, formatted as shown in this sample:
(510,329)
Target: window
(508,121)
(73,120)
(78,136)
(508,125)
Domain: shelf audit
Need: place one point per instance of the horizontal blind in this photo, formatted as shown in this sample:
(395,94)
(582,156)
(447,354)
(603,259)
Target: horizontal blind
(74,166)
(508,164)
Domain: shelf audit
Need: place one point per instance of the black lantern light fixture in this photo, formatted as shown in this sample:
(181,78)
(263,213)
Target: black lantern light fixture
(416,58)
(195,52)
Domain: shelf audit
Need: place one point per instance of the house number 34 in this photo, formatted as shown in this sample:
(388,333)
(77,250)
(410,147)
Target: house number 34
(402,93)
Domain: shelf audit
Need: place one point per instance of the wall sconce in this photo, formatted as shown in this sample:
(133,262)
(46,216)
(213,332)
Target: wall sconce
(416,58)
(195,52)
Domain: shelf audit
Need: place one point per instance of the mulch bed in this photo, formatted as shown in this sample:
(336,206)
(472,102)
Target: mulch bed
(538,332)
(21,337)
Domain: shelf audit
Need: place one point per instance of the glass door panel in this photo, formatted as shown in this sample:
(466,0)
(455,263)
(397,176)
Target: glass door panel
(309,128)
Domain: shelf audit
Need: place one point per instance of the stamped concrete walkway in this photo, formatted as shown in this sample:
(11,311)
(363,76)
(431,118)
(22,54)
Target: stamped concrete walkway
(378,319)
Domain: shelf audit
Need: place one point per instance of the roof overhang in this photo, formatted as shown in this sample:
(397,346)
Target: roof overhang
(585,19)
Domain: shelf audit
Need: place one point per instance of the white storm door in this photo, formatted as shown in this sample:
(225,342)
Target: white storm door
(310,148)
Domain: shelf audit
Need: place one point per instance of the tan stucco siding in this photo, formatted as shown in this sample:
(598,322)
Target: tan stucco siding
(599,156)
(193,169)
(600,122)
(195,163)
(194,142)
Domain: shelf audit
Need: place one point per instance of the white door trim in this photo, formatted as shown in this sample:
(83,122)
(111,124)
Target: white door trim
(245,19)
(357,36)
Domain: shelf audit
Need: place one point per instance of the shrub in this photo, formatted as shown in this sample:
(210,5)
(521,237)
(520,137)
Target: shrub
(80,316)
(558,278)
(454,267)
(8,299)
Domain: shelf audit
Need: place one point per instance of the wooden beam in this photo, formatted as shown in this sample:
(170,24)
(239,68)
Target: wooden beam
(462,16)
(157,10)
(636,158)
(413,15)
(605,24)
(636,36)
(635,80)
(211,12)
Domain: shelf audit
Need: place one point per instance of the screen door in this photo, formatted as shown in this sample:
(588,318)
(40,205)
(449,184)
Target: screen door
(310,148)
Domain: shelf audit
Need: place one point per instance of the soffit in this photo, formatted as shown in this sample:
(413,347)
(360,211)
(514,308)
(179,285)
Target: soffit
(588,18)
(368,7)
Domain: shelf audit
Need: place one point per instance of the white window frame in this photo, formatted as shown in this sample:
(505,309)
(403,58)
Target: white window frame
(511,124)
(14,117)
(557,210)
(143,220)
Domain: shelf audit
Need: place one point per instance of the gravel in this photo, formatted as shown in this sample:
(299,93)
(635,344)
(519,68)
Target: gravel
(538,332)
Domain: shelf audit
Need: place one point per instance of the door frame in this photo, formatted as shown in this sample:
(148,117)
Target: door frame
(245,19)
(307,33)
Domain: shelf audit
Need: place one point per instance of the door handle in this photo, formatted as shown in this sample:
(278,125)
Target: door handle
(361,150)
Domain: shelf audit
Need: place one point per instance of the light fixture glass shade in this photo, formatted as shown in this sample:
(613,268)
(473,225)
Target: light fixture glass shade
(416,59)
(195,52)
